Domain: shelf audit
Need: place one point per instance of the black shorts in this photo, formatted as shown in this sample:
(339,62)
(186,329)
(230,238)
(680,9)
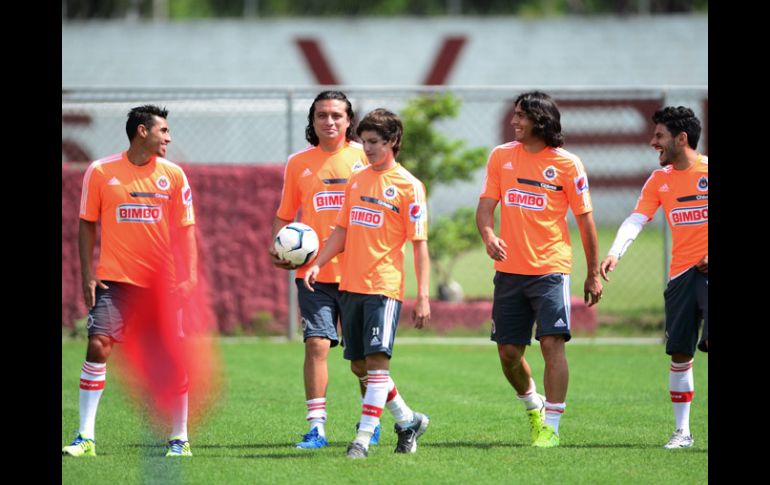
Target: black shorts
(368,324)
(687,304)
(319,310)
(520,300)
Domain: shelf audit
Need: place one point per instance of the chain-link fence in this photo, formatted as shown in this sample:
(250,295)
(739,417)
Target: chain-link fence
(608,128)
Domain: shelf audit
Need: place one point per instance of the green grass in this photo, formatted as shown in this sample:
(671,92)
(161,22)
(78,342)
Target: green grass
(634,292)
(618,417)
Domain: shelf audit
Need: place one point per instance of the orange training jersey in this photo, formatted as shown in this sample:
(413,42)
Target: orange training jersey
(315,180)
(535,190)
(684,195)
(138,208)
(381,211)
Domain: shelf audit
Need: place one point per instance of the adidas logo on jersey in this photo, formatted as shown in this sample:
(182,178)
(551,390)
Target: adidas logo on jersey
(306,173)
(560,323)
(508,166)
(355,185)
(663,188)
(114,181)
(375,341)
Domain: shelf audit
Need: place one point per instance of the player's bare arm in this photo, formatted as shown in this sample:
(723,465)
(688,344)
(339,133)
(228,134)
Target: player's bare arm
(278,223)
(592,289)
(485,221)
(421,312)
(190,255)
(608,266)
(334,245)
(86,242)
(703,265)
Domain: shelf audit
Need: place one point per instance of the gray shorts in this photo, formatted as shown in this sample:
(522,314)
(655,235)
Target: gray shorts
(520,300)
(687,304)
(368,324)
(118,304)
(319,310)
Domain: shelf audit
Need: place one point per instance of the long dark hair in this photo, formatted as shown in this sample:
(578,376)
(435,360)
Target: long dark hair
(310,134)
(545,116)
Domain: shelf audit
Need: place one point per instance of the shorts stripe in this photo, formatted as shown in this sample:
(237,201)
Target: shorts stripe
(389,317)
(567,299)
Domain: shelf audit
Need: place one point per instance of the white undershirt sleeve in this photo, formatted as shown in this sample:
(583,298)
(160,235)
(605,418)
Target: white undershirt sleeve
(627,232)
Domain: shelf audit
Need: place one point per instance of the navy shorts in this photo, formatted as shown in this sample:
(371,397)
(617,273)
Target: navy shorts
(368,324)
(119,303)
(520,300)
(319,310)
(687,304)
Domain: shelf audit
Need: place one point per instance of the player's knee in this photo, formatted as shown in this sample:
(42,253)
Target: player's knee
(509,355)
(358,367)
(99,348)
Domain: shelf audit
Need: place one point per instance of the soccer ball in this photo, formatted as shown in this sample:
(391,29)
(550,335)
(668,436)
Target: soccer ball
(297,243)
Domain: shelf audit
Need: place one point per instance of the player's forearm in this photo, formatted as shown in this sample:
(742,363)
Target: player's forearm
(191,253)
(627,232)
(422,268)
(590,242)
(86,243)
(278,223)
(485,218)
(333,246)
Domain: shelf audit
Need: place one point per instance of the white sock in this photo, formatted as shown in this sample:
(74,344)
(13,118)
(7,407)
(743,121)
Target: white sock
(397,406)
(530,398)
(179,418)
(682,388)
(374,401)
(92,379)
(316,414)
(553,413)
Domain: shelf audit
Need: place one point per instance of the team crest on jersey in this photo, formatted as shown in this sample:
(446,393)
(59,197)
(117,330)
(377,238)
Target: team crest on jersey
(357,166)
(139,213)
(162,182)
(689,216)
(549,173)
(390,192)
(703,184)
(525,200)
(416,212)
(361,216)
(328,200)
(581,184)
(187,196)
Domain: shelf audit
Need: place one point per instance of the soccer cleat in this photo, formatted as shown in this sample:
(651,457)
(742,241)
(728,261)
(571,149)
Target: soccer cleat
(546,438)
(357,450)
(375,439)
(679,440)
(536,420)
(80,447)
(407,437)
(312,440)
(179,448)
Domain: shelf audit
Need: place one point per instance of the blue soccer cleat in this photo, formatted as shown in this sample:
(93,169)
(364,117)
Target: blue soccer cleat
(312,440)
(375,440)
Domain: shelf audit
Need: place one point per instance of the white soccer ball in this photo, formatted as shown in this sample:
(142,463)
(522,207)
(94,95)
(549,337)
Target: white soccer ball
(296,242)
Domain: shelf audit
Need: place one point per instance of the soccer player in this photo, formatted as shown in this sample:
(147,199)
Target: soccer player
(537,181)
(681,187)
(314,181)
(384,207)
(147,219)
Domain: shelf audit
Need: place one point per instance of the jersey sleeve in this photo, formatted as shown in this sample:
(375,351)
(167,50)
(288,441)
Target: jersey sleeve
(576,189)
(416,213)
(183,201)
(290,195)
(90,197)
(648,201)
(491,185)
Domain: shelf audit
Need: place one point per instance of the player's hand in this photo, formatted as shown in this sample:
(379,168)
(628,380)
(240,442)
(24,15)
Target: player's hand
(593,289)
(421,312)
(608,266)
(310,276)
(496,248)
(703,265)
(89,291)
(185,289)
(278,262)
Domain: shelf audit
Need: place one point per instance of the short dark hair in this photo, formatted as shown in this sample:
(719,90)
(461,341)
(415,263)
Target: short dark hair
(386,123)
(143,115)
(310,134)
(545,116)
(677,120)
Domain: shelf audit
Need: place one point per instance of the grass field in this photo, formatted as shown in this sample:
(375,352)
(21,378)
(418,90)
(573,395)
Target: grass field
(617,419)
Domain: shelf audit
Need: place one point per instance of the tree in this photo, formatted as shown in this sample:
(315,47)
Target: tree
(432,158)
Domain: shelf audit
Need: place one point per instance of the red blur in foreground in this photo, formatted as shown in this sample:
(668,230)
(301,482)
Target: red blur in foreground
(169,349)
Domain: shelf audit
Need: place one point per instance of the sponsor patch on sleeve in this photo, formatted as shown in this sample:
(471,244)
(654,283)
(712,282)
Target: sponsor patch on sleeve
(581,184)
(187,196)
(416,212)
